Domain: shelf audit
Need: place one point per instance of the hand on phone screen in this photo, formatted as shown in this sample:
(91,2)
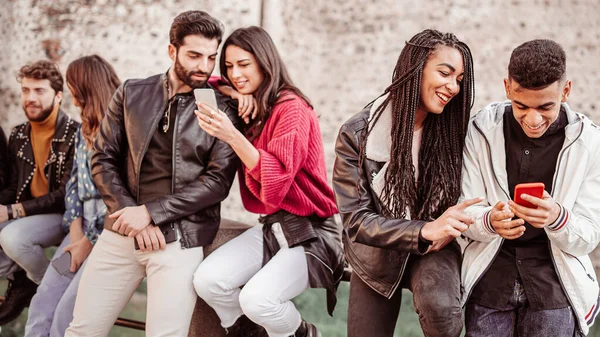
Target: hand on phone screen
(533,189)
(62,264)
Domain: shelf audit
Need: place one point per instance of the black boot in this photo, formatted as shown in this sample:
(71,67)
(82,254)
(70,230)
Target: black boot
(307,330)
(244,327)
(17,297)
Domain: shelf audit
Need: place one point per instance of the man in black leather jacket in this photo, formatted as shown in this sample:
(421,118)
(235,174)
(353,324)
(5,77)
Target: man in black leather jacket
(162,179)
(3,160)
(39,160)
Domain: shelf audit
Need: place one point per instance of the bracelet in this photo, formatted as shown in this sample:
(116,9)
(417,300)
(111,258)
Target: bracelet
(9,212)
(19,214)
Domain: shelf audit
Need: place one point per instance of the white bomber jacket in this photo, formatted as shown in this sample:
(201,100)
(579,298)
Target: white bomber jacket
(576,187)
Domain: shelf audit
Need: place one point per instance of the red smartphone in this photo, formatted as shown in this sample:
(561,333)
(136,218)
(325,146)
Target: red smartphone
(532,189)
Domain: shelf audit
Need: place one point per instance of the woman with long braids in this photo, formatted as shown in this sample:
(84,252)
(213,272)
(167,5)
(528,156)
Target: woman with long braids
(397,181)
(284,177)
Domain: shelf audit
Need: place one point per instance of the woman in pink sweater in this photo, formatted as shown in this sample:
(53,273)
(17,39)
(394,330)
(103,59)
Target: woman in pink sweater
(283,177)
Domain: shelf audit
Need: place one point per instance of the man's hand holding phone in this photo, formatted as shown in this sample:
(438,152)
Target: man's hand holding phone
(500,218)
(546,210)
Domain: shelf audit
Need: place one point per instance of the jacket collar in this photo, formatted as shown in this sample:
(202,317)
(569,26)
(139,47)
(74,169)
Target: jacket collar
(379,142)
(489,120)
(61,131)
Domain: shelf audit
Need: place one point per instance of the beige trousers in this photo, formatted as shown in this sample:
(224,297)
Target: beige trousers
(114,270)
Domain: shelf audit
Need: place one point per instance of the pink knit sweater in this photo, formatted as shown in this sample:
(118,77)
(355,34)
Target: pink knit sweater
(291,173)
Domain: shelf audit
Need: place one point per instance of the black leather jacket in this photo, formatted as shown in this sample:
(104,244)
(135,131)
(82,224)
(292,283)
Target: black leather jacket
(21,166)
(376,247)
(3,160)
(203,166)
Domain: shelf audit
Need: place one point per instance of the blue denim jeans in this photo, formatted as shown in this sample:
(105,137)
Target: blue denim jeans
(520,321)
(23,241)
(51,309)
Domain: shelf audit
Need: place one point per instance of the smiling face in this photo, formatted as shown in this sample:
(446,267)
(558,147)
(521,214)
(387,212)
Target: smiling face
(243,70)
(442,74)
(536,110)
(194,60)
(38,98)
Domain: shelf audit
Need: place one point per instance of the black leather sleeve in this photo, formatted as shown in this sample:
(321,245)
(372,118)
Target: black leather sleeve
(108,160)
(3,160)
(8,192)
(361,220)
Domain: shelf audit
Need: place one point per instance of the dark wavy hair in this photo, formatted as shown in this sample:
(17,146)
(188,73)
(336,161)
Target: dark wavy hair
(92,81)
(43,70)
(194,23)
(538,63)
(440,157)
(257,41)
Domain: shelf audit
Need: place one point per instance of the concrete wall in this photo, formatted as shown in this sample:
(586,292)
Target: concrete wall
(341,53)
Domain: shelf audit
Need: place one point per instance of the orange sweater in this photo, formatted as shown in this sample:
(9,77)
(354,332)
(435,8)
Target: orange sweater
(41,140)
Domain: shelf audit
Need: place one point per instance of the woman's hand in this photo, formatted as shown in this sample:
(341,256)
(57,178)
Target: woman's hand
(247,107)
(80,250)
(450,224)
(215,123)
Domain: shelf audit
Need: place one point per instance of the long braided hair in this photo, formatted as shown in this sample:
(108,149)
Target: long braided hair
(440,157)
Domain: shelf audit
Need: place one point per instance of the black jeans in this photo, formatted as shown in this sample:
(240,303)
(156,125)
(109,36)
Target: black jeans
(434,280)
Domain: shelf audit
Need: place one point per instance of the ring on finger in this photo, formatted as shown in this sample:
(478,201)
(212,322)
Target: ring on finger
(210,120)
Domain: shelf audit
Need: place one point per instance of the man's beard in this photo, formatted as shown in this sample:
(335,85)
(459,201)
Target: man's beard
(186,76)
(42,115)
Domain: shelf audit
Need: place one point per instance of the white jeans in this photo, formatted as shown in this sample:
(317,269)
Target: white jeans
(265,298)
(113,272)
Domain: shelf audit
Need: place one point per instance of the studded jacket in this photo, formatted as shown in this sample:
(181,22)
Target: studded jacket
(3,160)
(21,166)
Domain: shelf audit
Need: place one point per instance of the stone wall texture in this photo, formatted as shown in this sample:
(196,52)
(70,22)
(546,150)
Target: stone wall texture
(341,53)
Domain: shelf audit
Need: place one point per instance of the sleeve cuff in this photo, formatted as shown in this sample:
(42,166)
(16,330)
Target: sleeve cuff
(255,171)
(156,211)
(561,221)
(487,223)
(423,244)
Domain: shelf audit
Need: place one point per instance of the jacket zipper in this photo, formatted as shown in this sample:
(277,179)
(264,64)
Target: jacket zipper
(563,286)
(550,243)
(321,261)
(507,196)
(173,171)
(395,287)
(582,266)
(146,145)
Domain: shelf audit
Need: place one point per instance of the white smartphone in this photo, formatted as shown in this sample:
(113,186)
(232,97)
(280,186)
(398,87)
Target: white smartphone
(206,96)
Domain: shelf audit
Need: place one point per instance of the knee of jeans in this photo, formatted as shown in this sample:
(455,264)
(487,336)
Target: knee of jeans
(441,315)
(12,240)
(206,284)
(255,304)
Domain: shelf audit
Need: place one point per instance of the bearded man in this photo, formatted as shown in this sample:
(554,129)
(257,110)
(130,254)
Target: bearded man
(162,179)
(39,160)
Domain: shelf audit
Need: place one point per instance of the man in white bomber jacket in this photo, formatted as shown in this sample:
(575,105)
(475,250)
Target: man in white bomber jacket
(526,271)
